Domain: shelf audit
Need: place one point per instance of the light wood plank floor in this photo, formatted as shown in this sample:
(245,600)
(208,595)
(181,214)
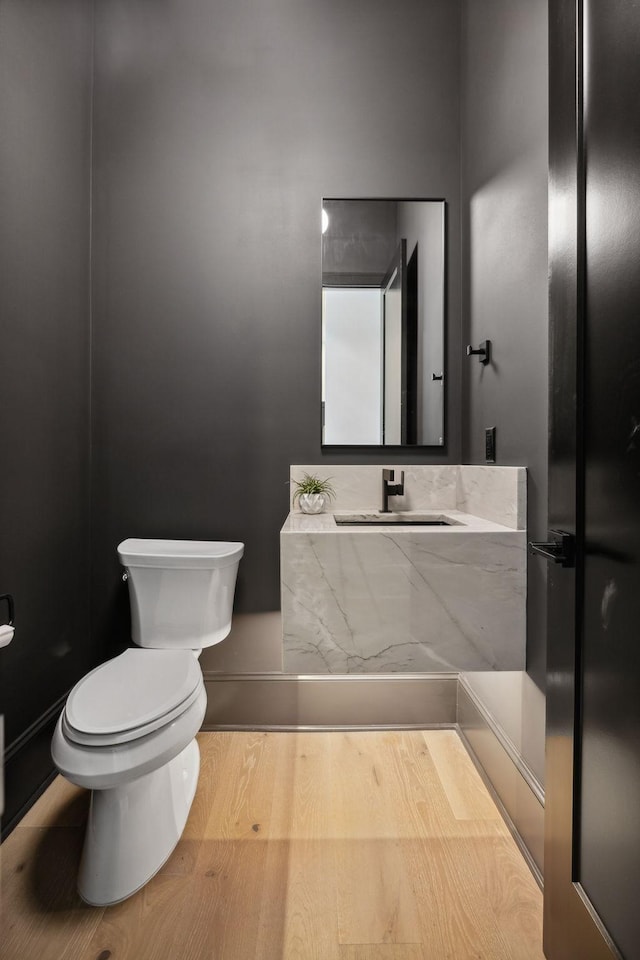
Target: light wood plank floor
(299,846)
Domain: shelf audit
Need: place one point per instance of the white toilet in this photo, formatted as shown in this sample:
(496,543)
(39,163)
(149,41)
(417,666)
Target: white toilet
(128,728)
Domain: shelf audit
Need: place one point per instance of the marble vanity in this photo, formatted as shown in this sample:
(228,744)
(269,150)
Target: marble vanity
(403,598)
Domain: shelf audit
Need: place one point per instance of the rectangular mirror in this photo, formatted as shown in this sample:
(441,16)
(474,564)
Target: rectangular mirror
(383,317)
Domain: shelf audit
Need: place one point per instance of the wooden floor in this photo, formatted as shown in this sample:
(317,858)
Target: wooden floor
(335,846)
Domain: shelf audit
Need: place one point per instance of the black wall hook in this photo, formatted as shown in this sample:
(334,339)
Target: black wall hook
(483,352)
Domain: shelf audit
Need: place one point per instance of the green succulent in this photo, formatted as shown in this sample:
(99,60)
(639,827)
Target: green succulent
(310,484)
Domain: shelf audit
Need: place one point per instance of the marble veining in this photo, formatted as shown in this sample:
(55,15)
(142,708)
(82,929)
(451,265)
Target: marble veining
(374,599)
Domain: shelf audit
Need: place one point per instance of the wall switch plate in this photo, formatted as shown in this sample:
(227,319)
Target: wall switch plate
(490,445)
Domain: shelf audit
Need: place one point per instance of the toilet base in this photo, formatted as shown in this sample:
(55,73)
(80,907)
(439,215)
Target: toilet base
(132,829)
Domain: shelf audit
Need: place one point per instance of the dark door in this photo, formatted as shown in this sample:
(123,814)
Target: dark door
(399,320)
(592,852)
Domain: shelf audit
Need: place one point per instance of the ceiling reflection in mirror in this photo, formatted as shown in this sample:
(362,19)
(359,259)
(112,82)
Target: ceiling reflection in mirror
(383,317)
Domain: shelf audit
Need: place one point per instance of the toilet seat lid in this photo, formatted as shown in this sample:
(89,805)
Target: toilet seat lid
(132,690)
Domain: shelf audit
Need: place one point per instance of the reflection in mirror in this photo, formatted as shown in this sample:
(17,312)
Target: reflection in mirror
(383,296)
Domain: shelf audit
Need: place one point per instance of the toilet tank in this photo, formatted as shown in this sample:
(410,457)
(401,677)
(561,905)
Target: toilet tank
(180,591)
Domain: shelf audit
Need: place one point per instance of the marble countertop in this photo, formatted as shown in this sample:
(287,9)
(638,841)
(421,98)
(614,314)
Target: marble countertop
(298,522)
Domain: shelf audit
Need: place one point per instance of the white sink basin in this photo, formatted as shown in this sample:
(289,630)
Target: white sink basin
(395,519)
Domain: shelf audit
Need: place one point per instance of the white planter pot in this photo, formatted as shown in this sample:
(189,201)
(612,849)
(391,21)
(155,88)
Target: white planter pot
(312,502)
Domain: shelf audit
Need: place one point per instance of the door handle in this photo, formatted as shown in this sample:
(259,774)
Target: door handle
(561,550)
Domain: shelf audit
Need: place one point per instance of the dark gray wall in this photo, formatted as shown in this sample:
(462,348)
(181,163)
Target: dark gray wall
(504,228)
(218,128)
(45,110)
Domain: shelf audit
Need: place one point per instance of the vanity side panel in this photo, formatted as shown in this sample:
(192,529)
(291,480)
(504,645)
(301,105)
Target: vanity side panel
(494,493)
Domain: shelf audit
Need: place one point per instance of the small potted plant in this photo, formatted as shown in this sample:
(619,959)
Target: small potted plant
(313,493)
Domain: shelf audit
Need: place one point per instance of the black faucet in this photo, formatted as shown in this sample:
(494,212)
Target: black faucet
(390,489)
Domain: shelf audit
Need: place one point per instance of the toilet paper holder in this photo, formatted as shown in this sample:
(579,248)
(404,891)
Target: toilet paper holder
(7,629)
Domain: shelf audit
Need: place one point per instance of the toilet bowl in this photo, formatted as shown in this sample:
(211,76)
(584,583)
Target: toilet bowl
(127,731)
